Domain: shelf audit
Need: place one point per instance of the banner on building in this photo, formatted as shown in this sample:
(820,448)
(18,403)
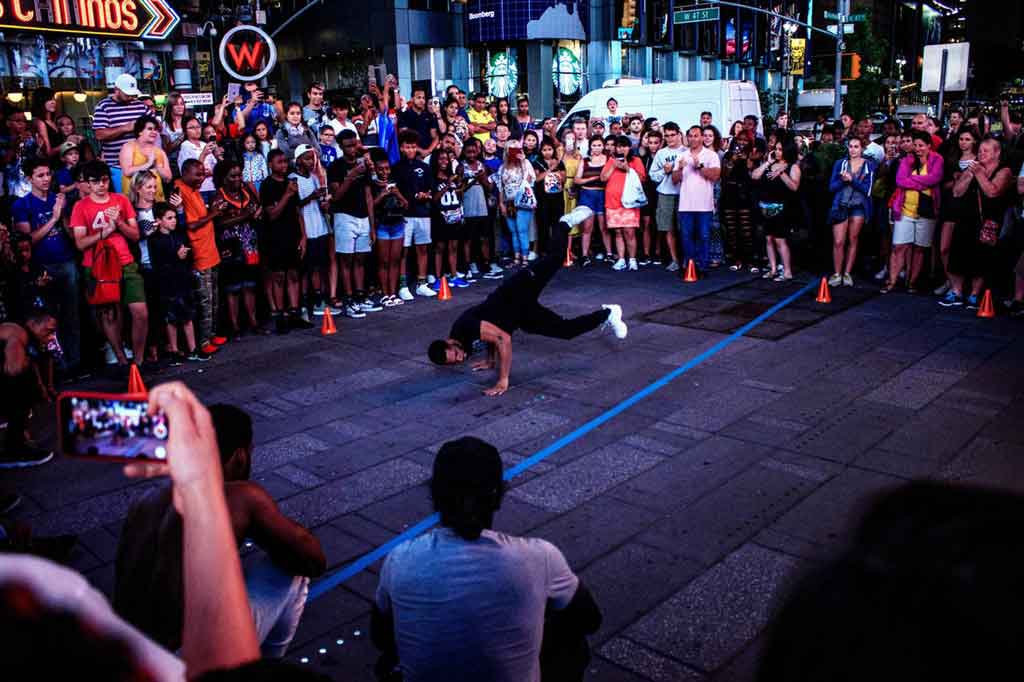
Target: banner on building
(797,55)
(511,20)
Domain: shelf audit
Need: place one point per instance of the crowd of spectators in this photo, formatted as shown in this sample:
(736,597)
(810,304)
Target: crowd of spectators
(161,237)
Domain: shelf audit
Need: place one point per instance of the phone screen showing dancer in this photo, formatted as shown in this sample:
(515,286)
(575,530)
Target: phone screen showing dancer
(111,427)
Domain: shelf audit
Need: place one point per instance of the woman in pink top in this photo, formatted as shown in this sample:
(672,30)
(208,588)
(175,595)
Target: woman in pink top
(622,221)
(915,205)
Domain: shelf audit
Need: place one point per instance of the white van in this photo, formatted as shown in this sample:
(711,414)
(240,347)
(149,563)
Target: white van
(728,101)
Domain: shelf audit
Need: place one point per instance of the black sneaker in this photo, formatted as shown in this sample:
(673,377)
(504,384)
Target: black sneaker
(370,304)
(281,325)
(586,262)
(27,455)
(296,321)
(1015,308)
(175,359)
(198,356)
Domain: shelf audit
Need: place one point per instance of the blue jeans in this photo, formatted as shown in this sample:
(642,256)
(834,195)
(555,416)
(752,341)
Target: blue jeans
(520,229)
(695,227)
(62,297)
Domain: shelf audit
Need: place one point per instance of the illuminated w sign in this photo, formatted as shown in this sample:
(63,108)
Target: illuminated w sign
(247,53)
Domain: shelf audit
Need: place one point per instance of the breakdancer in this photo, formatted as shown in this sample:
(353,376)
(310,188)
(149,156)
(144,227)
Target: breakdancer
(514,305)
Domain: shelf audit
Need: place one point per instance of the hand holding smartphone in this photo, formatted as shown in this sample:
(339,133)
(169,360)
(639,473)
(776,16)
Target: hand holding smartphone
(111,427)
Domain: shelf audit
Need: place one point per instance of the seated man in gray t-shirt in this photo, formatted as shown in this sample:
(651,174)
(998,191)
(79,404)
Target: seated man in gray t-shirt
(465,602)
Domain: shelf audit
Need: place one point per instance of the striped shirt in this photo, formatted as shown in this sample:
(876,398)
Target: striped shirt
(111,114)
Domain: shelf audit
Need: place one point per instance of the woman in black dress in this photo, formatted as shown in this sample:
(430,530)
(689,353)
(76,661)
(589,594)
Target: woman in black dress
(778,180)
(984,187)
(736,204)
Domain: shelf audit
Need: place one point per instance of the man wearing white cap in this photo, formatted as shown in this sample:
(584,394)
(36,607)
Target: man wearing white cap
(114,121)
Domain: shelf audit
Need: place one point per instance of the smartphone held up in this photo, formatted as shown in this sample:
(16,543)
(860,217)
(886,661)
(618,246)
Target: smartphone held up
(111,427)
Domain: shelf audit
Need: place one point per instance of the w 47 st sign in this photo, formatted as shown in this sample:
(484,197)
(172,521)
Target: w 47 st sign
(247,53)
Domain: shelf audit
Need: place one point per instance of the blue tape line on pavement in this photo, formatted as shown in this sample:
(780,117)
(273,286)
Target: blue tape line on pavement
(330,582)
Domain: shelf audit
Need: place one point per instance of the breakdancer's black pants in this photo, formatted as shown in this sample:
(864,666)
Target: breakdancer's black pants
(521,291)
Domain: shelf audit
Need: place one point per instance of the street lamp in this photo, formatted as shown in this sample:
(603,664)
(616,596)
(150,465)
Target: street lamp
(900,63)
(210,29)
(789,28)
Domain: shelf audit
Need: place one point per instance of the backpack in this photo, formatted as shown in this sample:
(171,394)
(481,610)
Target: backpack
(105,285)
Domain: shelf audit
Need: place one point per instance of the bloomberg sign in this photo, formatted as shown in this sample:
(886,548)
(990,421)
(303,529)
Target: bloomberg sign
(490,21)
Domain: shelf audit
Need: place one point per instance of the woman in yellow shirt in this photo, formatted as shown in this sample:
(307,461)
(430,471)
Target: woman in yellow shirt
(142,153)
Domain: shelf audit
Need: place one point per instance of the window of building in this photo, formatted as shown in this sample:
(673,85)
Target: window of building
(429,5)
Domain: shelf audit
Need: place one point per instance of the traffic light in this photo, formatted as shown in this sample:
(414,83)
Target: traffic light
(628,13)
(851,66)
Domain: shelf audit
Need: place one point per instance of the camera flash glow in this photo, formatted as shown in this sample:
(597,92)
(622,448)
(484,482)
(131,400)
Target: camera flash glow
(160,452)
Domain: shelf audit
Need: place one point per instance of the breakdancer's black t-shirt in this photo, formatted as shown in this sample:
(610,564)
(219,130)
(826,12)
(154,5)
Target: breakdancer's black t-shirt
(499,308)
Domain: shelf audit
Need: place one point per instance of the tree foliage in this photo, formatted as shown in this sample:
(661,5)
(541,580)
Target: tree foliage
(864,95)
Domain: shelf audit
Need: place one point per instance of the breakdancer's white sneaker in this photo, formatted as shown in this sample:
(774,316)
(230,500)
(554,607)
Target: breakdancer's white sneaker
(614,321)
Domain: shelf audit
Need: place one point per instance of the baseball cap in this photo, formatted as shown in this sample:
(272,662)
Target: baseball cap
(66,147)
(302,149)
(127,84)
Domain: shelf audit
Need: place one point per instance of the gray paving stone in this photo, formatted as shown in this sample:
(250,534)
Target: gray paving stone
(261,409)
(101,542)
(299,477)
(711,619)
(851,430)
(660,443)
(987,462)
(340,547)
(91,513)
(935,433)
(507,432)
(585,478)
(651,665)
(353,659)
(897,464)
(764,430)
(714,411)
(633,579)
(326,613)
(270,456)
(365,529)
(812,403)
(723,520)
(340,497)
(400,511)
(676,483)
(826,516)
(913,388)
(574,532)
(340,388)
(276,486)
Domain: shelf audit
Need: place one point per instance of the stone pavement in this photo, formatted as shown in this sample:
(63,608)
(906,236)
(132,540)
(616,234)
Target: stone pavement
(687,515)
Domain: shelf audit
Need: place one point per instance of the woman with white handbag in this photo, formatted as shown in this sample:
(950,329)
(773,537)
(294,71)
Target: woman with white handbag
(623,176)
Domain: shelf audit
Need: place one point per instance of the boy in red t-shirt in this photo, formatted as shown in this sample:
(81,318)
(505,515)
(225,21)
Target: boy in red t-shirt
(106,216)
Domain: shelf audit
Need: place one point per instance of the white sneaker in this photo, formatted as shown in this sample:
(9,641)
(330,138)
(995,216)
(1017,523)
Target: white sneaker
(672,267)
(405,294)
(128,353)
(882,274)
(619,265)
(109,356)
(425,290)
(599,256)
(431,279)
(835,280)
(633,265)
(474,269)
(532,256)
(614,320)
(847,280)
(496,269)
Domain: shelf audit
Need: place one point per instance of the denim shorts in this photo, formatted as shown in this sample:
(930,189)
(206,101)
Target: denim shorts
(391,231)
(841,213)
(592,199)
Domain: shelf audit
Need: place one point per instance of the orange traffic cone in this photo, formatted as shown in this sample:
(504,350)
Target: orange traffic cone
(445,294)
(135,385)
(824,295)
(691,272)
(987,309)
(328,328)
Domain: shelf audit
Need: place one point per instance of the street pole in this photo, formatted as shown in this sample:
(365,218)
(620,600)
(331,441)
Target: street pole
(942,81)
(843,8)
(787,68)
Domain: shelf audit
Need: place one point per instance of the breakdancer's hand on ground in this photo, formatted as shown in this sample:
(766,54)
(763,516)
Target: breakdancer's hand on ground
(498,388)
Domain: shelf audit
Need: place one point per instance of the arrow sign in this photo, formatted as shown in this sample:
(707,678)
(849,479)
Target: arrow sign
(165,19)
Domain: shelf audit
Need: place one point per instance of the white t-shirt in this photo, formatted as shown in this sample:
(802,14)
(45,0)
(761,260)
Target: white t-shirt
(696,193)
(60,588)
(191,150)
(658,174)
(472,610)
(312,218)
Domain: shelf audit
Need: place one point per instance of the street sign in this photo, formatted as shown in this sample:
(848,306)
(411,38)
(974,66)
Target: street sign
(834,29)
(694,16)
(834,16)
